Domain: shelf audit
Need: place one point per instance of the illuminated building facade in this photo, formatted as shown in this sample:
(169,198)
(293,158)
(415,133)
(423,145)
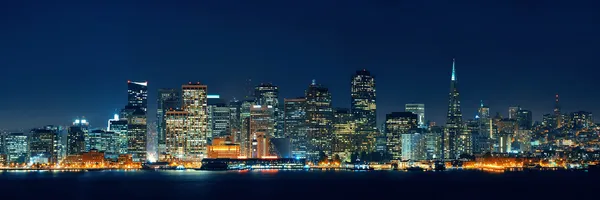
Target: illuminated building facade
(43,143)
(261,124)
(549,120)
(524,119)
(363,107)
(119,128)
(137,94)
(396,124)
(103,141)
(433,143)
(512,112)
(235,124)
(219,117)
(482,142)
(137,130)
(581,120)
(414,145)
(195,103)
(244,136)
(557,113)
(168,99)
(418,109)
(319,116)
(344,134)
(453,135)
(176,133)
(295,125)
(76,137)
(223,148)
(17,147)
(268,94)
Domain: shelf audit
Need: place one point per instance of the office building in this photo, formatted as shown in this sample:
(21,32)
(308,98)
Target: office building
(512,112)
(235,123)
(268,94)
(137,94)
(76,137)
(218,117)
(363,106)
(345,140)
(223,148)
(168,99)
(414,145)
(581,120)
(43,146)
(195,103)
(119,127)
(396,124)
(261,124)
(453,136)
(17,148)
(176,135)
(524,119)
(295,125)
(319,115)
(418,109)
(137,130)
(434,143)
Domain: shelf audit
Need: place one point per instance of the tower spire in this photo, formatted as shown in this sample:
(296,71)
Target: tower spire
(453,70)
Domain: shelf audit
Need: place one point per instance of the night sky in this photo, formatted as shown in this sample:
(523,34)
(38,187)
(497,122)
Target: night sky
(69,59)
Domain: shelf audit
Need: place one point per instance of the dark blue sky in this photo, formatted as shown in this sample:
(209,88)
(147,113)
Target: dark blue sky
(69,59)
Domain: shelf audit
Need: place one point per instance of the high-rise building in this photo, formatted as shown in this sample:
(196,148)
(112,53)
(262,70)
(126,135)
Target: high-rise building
(319,115)
(244,136)
(512,112)
(549,120)
(414,145)
(137,131)
(219,117)
(268,94)
(17,147)
(119,127)
(295,125)
(137,95)
(454,130)
(557,113)
(581,120)
(433,139)
(235,124)
(168,99)
(482,142)
(195,103)
(484,111)
(396,124)
(363,106)
(344,134)
(418,109)
(43,145)
(76,137)
(524,119)
(261,124)
(175,135)
(103,141)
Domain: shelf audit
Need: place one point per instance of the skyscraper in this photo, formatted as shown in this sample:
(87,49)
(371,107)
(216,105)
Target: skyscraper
(482,142)
(268,94)
(261,124)
(219,117)
(43,144)
(363,106)
(557,113)
(319,115)
(344,134)
(76,137)
(235,124)
(175,135)
(454,129)
(119,127)
(137,130)
(195,103)
(17,147)
(295,125)
(396,124)
(512,112)
(168,99)
(137,94)
(418,109)
(524,119)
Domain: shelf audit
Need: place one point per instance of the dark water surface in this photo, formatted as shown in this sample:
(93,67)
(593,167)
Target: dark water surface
(298,185)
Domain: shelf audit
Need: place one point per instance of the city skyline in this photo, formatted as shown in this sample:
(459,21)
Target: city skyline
(506,56)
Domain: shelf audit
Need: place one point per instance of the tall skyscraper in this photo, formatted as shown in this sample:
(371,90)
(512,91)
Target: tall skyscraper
(295,125)
(524,119)
(137,131)
(175,135)
(268,94)
(218,117)
(76,137)
(363,106)
(43,144)
(168,99)
(482,142)
(119,127)
(396,124)
(418,109)
(235,124)
(454,129)
(261,124)
(195,103)
(345,141)
(319,115)
(137,94)
(244,137)
(557,113)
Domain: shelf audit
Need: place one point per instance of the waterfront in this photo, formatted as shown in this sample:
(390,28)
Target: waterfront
(314,184)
